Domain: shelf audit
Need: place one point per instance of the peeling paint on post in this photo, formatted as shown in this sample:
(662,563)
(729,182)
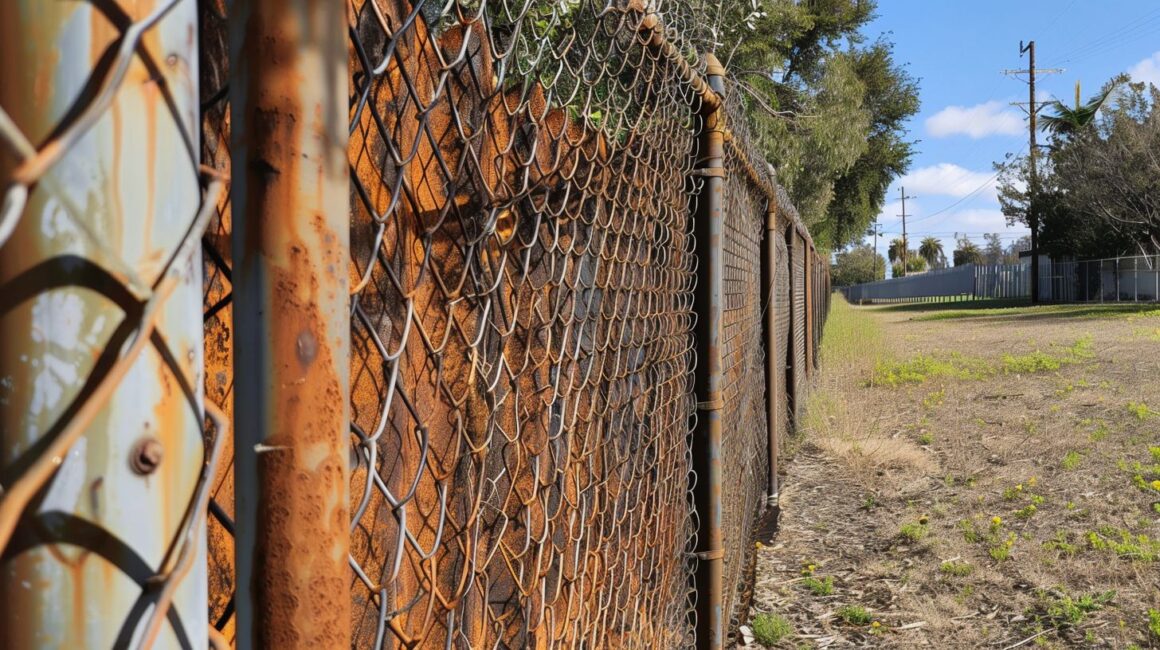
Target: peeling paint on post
(100,223)
(292,322)
(708,227)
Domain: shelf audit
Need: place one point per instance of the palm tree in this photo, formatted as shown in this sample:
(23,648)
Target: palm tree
(896,249)
(968,252)
(931,250)
(1068,121)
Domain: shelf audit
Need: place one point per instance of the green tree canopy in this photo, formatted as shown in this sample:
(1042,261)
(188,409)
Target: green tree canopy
(1098,189)
(931,250)
(826,106)
(968,252)
(857,265)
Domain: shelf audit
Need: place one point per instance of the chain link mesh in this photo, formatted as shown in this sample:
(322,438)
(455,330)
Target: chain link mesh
(522,272)
(520,330)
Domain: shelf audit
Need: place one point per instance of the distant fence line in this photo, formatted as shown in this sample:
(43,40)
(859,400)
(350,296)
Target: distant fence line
(967,281)
(1119,279)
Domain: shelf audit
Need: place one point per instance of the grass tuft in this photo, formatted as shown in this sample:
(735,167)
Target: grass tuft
(770,629)
(854,615)
(958,569)
(819,587)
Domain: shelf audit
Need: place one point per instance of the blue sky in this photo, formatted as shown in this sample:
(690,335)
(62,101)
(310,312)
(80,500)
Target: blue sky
(958,50)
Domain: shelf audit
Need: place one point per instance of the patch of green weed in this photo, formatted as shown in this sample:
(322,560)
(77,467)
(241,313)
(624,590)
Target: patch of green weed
(958,569)
(770,629)
(913,531)
(819,587)
(1124,544)
(854,615)
(1061,542)
(1140,410)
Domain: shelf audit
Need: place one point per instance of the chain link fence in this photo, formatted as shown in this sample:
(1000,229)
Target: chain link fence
(527,281)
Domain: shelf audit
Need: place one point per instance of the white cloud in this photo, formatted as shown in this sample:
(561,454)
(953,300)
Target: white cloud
(948,179)
(978,121)
(1147,70)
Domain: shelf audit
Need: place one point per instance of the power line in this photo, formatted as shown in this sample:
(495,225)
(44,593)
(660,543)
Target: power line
(1136,29)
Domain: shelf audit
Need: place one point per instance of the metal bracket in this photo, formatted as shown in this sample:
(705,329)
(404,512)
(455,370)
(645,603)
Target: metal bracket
(711,405)
(718,172)
(710,555)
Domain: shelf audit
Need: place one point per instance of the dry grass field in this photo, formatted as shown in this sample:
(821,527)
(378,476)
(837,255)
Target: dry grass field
(973,477)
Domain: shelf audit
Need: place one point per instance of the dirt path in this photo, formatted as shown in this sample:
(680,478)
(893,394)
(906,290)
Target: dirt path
(983,480)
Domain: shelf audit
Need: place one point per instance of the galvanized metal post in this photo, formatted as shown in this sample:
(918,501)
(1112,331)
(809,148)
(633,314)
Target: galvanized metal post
(101,444)
(772,363)
(708,228)
(291,238)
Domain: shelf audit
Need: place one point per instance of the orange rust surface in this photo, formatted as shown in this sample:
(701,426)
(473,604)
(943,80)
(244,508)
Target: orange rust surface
(457,408)
(301,576)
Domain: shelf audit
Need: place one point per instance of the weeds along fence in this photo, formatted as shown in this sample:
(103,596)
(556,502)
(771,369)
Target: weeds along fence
(966,282)
(507,317)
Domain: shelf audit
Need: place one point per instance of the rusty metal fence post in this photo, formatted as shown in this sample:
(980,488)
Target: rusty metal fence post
(772,363)
(292,322)
(103,463)
(708,231)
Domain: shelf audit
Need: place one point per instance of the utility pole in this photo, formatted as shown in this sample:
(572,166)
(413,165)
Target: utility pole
(905,243)
(1033,176)
(876,230)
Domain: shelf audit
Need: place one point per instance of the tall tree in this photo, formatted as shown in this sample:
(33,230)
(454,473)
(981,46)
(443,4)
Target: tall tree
(891,98)
(826,108)
(992,248)
(1098,187)
(1065,121)
(896,249)
(967,251)
(931,250)
(857,265)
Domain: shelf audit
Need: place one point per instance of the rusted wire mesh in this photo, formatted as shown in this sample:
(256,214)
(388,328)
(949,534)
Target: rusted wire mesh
(521,334)
(102,421)
(218,301)
(745,436)
(522,349)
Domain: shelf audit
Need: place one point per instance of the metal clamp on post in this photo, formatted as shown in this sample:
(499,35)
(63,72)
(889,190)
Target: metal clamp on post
(710,555)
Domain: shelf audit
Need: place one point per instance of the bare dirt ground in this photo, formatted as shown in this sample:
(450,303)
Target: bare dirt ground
(982,480)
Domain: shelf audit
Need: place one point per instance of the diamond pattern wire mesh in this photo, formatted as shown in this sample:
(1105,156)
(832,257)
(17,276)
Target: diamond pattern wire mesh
(745,449)
(520,331)
(218,300)
(522,274)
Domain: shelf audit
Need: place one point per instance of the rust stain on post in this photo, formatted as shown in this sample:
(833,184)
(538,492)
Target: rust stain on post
(291,246)
(708,227)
